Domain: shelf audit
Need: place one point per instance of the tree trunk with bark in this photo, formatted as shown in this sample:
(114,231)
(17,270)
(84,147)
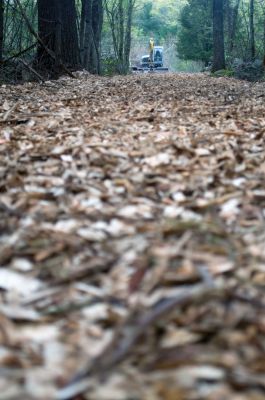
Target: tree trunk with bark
(90,34)
(49,30)
(121,28)
(232,17)
(128,35)
(70,47)
(97,24)
(1,29)
(82,29)
(251,30)
(58,31)
(218,36)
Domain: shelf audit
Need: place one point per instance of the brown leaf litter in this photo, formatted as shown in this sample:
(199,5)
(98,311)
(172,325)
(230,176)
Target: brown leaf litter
(132,239)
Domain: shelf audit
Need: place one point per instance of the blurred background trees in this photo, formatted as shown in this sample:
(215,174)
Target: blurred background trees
(106,36)
(195,41)
(119,19)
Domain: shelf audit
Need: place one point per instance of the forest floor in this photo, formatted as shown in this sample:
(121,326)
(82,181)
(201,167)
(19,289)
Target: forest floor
(132,223)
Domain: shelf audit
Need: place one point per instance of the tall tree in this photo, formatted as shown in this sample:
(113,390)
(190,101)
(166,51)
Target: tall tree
(232,18)
(58,31)
(49,30)
(128,34)
(69,35)
(82,29)
(251,30)
(97,23)
(90,34)
(88,39)
(264,36)
(218,36)
(1,28)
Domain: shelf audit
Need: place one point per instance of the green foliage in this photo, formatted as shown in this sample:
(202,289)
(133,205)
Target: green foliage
(159,18)
(147,22)
(195,35)
(195,30)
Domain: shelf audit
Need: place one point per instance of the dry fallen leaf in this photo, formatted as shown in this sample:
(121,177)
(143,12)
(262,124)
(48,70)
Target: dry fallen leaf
(132,238)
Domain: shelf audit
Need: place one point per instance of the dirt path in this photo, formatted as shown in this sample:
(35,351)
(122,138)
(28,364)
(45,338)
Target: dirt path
(132,230)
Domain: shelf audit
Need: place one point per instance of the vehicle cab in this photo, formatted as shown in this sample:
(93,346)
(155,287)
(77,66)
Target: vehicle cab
(158,59)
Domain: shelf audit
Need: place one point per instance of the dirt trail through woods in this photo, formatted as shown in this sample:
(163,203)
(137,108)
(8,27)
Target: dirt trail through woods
(132,239)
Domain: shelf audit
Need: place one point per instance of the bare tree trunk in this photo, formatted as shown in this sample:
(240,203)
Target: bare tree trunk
(58,31)
(82,30)
(128,35)
(251,30)
(90,34)
(232,17)
(218,36)
(88,40)
(263,61)
(70,47)
(97,23)
(49,29)
(1,29)
(121,23)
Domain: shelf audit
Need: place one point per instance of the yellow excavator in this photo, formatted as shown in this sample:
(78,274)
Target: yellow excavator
(154,61)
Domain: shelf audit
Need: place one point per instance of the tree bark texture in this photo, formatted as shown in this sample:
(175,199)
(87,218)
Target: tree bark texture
(90,34)
(82,30)
(97,23)
(252,30)
(58,30)
(218,36)
(232,18)
(264,36)
(88,39)
(70,47)
(128,34)
(49,29)
(1,29)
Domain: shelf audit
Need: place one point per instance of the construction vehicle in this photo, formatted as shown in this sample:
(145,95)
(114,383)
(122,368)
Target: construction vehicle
(153,62)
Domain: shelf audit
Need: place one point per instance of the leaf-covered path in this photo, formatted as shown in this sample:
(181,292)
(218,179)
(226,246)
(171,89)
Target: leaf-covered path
(132,223)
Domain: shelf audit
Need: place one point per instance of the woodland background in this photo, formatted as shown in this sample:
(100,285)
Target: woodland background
(107,36)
